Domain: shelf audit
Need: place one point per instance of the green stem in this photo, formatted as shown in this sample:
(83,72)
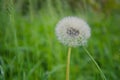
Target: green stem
(102,74)
(68,64)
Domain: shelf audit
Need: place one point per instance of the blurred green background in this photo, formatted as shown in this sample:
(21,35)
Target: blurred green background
(29,49)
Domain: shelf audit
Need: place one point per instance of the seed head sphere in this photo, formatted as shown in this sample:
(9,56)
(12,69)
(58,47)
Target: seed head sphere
(72,31)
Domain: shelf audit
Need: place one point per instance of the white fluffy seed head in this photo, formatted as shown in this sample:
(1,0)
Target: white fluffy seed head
(72,31)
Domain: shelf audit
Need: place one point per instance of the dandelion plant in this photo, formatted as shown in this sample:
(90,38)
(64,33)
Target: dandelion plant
(74,32)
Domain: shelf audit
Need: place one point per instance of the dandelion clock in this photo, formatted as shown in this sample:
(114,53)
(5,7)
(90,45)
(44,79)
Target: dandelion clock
(73,32)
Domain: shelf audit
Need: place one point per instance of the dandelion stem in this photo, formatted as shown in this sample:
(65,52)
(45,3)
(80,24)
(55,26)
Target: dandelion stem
(68,64)
(102,74)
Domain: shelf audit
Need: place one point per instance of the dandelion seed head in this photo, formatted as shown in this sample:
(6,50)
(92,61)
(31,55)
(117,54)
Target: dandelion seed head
(73,31)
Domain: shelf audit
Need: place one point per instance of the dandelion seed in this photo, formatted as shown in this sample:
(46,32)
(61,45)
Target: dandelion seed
(73,31)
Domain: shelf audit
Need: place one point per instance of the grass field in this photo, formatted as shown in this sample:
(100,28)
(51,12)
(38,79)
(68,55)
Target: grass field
(29,49)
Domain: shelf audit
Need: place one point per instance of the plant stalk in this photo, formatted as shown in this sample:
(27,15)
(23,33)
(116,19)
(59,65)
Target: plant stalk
(101,72)
(68,64)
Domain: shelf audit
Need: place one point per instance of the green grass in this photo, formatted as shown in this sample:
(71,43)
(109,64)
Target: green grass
(29,49)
